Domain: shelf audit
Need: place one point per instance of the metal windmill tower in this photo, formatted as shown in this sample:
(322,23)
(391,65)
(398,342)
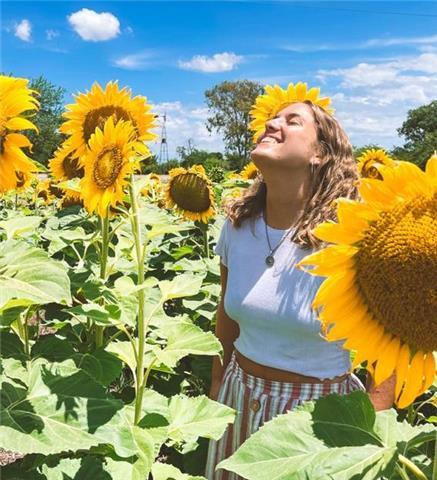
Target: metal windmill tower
(163,150)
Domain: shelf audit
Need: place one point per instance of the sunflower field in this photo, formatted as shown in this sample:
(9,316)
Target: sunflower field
(108,296)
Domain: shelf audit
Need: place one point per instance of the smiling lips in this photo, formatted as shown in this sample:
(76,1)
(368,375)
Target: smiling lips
(269,139)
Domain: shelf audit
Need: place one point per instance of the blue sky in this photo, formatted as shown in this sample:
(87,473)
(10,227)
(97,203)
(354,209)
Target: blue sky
(375,59)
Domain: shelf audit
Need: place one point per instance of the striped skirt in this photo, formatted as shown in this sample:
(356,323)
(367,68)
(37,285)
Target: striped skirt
(257,401)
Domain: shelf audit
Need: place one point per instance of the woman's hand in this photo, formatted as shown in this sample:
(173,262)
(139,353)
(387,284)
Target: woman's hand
(382,396)
(214,390)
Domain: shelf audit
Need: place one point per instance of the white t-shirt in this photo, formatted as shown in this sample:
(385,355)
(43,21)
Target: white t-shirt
(272,305)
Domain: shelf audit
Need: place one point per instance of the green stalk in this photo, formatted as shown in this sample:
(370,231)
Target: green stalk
(142,327)
(434,468)
(414,469)
(204,228)
(104,226)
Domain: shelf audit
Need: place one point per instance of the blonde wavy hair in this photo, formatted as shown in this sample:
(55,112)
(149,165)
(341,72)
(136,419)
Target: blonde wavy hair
(335,177)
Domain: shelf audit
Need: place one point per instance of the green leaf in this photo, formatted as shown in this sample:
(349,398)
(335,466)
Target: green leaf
(184,285)
(125,352)
(163,471)
(287,449)
(185,338)
(194,417)
(345,420)
(28,276)
(19,226)
(60,410)
(99,314)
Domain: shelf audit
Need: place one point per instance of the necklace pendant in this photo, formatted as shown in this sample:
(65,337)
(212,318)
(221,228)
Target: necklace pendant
(270,260)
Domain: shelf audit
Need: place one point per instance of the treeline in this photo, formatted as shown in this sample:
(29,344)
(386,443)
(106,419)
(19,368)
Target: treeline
(229,104)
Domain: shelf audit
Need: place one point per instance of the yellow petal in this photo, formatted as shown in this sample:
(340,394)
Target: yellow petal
(387,361)
(402,367)
(429,371)
(413,382)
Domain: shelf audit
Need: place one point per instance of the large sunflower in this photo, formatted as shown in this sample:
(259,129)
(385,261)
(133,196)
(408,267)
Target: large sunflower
(191,192)
(93,108)
(380,294)
(249,172)
(276,98)
(110,159)
(63,166)
(370,160)
(15,98)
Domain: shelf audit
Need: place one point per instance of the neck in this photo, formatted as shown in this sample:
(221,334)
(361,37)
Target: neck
(285,200)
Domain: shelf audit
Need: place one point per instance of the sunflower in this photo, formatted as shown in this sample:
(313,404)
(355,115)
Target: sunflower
(111,158)
(369,161)
(71,197)
(63,166)
(191,192)
(380,294)
(15,98)
(23,181)
(249,172)
(276,98)
(152,185)
(44,190)
(93,108)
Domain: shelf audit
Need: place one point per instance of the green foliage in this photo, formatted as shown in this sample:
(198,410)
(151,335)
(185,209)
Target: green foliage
(48,119)
(336,437)
(420,132)
(229,104)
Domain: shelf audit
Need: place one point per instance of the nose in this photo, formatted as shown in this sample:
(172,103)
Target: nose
(272,125)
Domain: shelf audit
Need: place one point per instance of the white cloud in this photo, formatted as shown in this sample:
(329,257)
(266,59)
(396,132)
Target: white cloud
(371,43)
(93,26)
(373,99)
(23,30)
(388,42)
(51,34)
(220,62)
(135,61)
(185,122)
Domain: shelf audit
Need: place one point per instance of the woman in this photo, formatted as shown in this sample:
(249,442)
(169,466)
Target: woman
(274,355)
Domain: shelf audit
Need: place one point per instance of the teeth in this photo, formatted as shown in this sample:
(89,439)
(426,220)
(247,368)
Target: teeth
(268,140)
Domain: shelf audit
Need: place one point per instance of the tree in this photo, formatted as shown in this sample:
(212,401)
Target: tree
(229,104)
(420,132)
(48,119)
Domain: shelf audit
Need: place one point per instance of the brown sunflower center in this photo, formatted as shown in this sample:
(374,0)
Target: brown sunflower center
(97,118)
(71,167)
(370,171)
(21,179)
(107,166)
(190,192)
(396,272)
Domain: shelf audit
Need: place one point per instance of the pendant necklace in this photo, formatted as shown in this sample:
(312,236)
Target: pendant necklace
(270,259)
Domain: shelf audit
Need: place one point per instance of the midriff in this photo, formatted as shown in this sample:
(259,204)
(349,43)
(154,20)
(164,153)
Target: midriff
(275,374)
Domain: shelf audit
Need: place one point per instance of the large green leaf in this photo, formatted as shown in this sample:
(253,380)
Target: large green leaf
(57,407)
(184,285)
(286,449)
(28,276)
(185,338)
(194,417)
(163,471)
(20,226)
(337,437)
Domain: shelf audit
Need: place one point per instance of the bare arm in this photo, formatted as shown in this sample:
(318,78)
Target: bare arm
(227,331)
(382,396)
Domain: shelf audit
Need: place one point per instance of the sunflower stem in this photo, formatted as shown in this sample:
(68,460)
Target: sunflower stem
(434,468)
(104,227)
(141,319)
(414,469)
(204,228)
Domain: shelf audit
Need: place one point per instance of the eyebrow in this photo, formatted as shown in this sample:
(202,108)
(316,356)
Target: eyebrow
(290,115)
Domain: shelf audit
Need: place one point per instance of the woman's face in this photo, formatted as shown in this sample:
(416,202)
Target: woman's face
(290,138)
